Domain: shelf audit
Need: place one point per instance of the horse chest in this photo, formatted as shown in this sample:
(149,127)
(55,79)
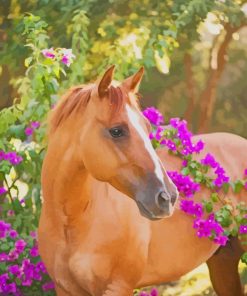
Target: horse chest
(105,255)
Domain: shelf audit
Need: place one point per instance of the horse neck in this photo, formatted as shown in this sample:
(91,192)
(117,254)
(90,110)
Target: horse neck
(67,185)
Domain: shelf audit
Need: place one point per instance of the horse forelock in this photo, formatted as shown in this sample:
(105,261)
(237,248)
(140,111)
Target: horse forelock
(77,98)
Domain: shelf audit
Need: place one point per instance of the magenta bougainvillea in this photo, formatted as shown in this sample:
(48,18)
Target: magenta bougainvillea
(216,225)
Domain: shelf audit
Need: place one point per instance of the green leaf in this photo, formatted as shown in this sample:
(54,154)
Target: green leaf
(4,247)
(208,206)
(237,186)
(28,61)
(185,171)
(214,197)
(244,258)
(226,187)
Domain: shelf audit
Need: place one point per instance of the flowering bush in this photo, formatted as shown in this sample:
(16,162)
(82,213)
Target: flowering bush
(216,225)
(22,271)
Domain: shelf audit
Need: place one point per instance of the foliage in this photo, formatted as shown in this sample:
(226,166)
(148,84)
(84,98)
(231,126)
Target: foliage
(147,33)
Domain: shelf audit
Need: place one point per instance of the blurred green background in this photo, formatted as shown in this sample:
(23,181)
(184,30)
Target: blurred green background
(194,52)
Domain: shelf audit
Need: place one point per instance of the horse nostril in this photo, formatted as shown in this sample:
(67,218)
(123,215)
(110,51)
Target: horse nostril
(162,200)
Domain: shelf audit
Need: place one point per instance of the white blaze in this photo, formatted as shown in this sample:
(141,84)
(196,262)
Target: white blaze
(135,121)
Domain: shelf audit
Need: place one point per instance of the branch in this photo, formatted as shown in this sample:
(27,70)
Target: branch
(208,96)
(190,83)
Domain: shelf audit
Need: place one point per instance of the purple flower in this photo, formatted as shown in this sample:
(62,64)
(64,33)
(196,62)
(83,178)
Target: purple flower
(142,293)
(10,213)
(49,53)
(174,122)
(27,282)
(35,124)
(154,292)
(14,269)
(13,233)
(13,158)
(2,190)
(20,245)
(185,185)
(67,57)
(13,255)
(2,154)
(34,251)
(33,234)
(48,286)
(3,257)
(221,240)
(199,146)
(243,229)
(40,265)
(191,208)
(171,145)
(245,172)
(209,161)
(153,115)
(28,131)
(4,228)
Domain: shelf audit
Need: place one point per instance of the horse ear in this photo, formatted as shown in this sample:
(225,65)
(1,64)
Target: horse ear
(132,83)
(106,81)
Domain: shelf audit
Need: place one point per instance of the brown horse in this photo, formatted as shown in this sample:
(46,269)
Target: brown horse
(105,191)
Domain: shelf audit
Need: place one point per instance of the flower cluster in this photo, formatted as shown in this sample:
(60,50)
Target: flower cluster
(221,178)
(210,228)
(185,137)
(12,157)
(185,185)
(32,127)
(153,292)
(62,54)
(22,262)
(177,138)
(154,116)
(191,208)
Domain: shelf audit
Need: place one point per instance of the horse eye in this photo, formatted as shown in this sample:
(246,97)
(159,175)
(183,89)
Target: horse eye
(116,132)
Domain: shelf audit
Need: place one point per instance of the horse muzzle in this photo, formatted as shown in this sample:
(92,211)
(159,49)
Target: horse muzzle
(161,206)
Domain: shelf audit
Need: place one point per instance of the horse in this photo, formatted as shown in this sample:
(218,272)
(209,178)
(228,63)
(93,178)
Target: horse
(110,221)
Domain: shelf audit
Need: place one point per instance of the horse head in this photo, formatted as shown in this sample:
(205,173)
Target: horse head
(113,142)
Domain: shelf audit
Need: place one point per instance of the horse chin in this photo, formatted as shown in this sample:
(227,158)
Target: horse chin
(147,214)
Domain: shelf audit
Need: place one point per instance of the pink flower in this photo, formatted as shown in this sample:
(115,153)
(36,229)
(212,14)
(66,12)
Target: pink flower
(2,190)
(67,57)
(49,53)
(153,115)
(20,245)
(35,124)
(10,213)
(34,251)
(48,286)
(28,131)
(3,257)
(243,229)
(13,233)
(33,234)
